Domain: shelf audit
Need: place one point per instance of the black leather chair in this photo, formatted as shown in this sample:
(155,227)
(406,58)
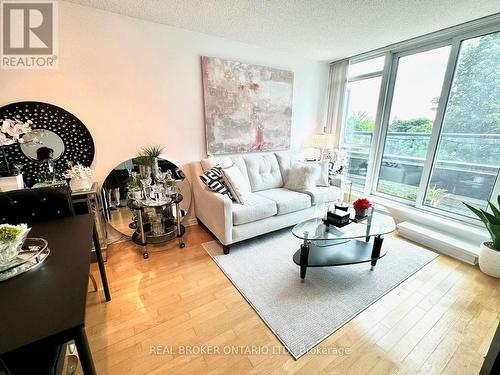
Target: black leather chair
(42,204)
(34,205)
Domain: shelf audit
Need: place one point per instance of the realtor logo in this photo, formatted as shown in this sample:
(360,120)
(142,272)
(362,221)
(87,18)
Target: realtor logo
(29,34)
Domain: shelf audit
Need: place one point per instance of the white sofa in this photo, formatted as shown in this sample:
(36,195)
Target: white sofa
(271,206)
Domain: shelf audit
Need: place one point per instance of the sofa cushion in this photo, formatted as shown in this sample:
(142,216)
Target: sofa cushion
(263,172)
(225,162)
(255,208)
(321,194)
(285,161)
(222,161)
(287,200)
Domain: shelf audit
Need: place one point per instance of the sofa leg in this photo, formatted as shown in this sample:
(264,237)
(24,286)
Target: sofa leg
(226,248)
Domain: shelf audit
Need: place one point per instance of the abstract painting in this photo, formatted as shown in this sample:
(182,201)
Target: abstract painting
(248,108)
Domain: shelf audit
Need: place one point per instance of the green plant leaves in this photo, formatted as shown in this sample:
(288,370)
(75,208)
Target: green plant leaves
(492,222)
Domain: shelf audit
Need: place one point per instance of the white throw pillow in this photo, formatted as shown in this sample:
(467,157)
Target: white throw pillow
(238,185)
(323,178)
(302,176)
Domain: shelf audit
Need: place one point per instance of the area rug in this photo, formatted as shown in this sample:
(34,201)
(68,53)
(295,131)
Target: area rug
(302,314)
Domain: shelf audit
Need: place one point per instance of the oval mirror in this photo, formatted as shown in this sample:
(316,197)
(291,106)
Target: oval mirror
(126,182)
(42,145)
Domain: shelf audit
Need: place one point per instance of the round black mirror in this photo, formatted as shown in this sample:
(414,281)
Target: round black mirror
(42,145)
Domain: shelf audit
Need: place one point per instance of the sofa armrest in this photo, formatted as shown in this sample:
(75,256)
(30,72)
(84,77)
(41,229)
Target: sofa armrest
(338,181)
(214,210)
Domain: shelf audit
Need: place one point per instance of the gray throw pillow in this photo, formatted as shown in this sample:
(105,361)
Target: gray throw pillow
(302,176)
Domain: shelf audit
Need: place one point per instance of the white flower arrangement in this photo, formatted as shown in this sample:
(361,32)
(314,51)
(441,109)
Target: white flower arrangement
(339,161)
(12,131)
(78,172)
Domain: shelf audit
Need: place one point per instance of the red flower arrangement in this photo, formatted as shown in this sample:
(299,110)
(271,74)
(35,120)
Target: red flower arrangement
(361,204)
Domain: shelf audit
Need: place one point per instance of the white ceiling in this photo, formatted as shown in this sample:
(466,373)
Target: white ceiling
(316,29)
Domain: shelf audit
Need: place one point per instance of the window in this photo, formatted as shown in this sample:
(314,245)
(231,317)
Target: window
(367,66)
(468,155)
(418,85)
(362,99)
(422,123)
(361,113)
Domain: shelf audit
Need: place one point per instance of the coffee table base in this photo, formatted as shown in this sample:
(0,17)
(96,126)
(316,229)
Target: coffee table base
(343,254)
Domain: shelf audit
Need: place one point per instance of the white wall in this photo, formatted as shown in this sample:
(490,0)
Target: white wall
(133,82)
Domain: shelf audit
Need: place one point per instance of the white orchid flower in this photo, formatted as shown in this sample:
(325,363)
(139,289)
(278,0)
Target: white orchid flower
(11,131)
(5,141)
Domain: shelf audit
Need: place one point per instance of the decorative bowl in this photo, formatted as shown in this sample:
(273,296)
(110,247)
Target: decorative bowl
(10,250)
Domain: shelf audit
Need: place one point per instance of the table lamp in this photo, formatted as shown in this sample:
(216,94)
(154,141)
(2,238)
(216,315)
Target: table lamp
(321,141)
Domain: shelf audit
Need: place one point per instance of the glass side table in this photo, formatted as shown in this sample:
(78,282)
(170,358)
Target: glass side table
(326,245)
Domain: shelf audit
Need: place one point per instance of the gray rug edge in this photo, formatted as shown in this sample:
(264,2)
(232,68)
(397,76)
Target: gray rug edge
(294,356)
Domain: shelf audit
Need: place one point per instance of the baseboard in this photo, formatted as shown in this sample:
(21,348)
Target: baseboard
(439,241)
(191,221)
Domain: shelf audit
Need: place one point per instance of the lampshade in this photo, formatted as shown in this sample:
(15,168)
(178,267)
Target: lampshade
(320,140)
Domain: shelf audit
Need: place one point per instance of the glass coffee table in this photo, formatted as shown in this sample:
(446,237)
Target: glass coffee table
(329,246)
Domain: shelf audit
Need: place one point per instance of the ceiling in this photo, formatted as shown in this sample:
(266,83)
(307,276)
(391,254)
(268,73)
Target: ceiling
(315,29)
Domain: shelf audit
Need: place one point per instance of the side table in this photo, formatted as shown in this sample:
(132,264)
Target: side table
(157,221)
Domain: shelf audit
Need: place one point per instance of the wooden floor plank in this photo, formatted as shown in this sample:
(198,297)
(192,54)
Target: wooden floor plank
(440,320)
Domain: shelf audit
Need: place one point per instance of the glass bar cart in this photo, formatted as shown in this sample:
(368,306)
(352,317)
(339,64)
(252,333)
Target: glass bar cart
(157,220)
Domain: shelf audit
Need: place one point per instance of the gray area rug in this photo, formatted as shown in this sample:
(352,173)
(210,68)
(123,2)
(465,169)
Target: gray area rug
(300,314)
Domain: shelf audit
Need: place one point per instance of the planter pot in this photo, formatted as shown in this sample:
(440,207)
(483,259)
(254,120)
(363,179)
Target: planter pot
(137,194)
(155,168)
(489,259)
(145,171)
(361,213)
(80,184)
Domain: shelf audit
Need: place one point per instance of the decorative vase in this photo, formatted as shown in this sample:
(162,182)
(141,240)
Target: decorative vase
(9,250)
(78,184)
(489,259)
(362,213)
(155,169)
(145,171)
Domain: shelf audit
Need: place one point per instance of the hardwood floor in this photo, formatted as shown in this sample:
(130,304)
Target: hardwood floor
(441,320)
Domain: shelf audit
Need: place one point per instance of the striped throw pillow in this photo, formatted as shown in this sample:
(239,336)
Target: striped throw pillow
(214,181)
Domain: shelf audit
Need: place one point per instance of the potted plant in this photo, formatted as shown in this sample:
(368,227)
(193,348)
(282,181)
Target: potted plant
(489,251)
(11,240)
(134,185)
(435,195)
(152,153)
(361,207)
(145,164)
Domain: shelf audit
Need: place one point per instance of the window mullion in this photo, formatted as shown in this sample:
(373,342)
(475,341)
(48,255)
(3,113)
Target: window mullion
(390,73)
(438,123)
(365,76)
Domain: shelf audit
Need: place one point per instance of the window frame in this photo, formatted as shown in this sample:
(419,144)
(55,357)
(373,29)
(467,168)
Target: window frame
(452,37)
(387,113)
(371,75)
